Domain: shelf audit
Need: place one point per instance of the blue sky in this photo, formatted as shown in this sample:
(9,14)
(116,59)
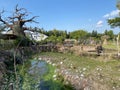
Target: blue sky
(67,15)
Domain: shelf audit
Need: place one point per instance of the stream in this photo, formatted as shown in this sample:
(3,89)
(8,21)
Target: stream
(34,75)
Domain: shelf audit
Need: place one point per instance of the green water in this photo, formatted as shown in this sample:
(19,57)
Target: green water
(35,75)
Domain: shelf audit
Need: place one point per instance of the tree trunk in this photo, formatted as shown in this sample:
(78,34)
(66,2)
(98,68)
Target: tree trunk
(18,31)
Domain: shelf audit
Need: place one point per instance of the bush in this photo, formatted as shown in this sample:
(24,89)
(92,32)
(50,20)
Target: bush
(23,42)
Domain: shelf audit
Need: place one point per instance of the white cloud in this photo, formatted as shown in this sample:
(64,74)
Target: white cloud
(99,23)
(113,13)
(106,15)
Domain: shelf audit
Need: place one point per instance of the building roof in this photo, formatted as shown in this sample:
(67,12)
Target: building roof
(9,32)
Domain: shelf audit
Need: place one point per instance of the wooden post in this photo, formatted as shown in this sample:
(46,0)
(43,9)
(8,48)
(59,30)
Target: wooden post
(118,43)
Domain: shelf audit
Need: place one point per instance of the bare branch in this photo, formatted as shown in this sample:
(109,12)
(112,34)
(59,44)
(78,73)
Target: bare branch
(3,21)
(30,20)
(20,13)
(25,28)
(18,20)
(19,9)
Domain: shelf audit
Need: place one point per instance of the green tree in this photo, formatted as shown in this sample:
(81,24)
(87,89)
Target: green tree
(106,32)
(78,34)
(109,33)
(94,33)
(56,36)
(115,22)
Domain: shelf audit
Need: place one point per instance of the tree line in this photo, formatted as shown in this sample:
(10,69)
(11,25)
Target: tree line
(16,23)
(60,35)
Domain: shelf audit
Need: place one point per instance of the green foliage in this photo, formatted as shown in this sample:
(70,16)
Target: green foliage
(109,33)
(99,36)
(52,39)
(56,36)
(115,22)
(37,81)
(23,41)
(94,33)
(78,34)
(57,33)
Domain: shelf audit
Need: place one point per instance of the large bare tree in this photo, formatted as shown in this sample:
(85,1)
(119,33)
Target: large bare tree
(17,21)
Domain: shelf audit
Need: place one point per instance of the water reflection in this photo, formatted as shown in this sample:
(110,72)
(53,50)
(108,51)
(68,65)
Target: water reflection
(40,77)
(38,68)
(34,74)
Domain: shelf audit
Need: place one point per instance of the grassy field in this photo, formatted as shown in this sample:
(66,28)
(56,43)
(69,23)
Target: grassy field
(111,45)
(106,73)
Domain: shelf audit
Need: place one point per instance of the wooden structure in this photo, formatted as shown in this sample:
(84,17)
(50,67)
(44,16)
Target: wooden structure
(8,36)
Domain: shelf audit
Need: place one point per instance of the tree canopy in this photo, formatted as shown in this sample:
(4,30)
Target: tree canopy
(115,22)
(78,34)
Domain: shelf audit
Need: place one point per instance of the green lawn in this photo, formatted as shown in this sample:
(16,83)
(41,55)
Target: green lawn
(111,45)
